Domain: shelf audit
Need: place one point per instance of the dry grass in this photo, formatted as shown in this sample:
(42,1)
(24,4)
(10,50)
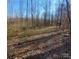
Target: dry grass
(20,30)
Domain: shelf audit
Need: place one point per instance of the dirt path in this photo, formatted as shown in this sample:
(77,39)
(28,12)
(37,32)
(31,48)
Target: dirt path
(37,45)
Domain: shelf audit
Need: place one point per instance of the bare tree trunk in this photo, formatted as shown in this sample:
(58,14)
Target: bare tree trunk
(21,13)
(32,13)
(27,15)
(45,15)
(68,11)
(69,14)
(49,3)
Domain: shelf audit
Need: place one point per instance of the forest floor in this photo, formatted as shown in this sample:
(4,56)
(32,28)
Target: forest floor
(52,45)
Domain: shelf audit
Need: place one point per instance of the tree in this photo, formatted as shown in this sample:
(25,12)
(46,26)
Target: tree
(45,14)
(37,16)
(32,13)
(64,13)
(27,13)
(68,10)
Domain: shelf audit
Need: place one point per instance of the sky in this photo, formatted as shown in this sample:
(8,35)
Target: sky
(13,7)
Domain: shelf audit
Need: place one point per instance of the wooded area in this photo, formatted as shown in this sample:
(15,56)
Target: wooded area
(39,29)
(60,20)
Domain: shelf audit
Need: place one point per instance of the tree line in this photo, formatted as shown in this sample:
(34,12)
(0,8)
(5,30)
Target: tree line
(62,17)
